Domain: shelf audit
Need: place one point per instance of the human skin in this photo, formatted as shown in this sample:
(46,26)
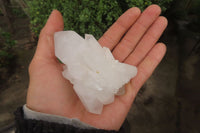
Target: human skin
(132,40)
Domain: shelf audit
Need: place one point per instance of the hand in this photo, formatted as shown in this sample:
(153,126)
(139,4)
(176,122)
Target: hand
(132,40)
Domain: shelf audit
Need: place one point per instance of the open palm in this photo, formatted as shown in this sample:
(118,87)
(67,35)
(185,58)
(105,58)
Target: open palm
(132,40)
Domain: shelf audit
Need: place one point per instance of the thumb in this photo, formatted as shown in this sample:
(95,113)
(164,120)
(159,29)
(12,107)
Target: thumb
(45,48)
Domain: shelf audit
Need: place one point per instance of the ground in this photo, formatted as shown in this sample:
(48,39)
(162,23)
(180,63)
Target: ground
(13,90)
(167,103)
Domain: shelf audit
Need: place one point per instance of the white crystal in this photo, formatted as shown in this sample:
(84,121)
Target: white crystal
(95,74)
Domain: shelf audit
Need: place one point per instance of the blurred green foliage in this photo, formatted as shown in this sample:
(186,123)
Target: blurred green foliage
(6,48)
(85,16)
(18,12)
(142,4)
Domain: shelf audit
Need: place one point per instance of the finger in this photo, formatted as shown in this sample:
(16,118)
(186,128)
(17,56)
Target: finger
(148,65)
(145,69)
(45,48)
(133,36)
(147,42)
(113,35)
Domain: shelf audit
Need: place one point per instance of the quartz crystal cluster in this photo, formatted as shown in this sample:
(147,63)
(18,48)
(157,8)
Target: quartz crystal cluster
(96,76)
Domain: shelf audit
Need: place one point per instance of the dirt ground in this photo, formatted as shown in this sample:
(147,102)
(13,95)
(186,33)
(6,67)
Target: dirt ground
(13,90)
